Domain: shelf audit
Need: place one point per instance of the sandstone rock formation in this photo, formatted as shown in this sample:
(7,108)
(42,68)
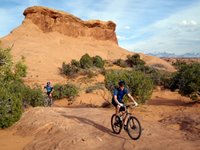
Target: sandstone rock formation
(47,38)
(49,20)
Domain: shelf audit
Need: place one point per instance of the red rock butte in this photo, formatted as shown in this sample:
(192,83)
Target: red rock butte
(49,20)
(48,37)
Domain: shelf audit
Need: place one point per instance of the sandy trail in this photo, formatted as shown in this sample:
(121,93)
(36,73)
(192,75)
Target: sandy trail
(165,126)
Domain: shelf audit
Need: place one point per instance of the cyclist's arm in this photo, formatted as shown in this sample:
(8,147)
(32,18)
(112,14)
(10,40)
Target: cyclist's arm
(131,97)
(115,98)
(44,89)
(52,90)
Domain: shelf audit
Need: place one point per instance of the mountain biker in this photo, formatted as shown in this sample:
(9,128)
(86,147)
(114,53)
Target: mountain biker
(118,95)
(117,99)
(49,89)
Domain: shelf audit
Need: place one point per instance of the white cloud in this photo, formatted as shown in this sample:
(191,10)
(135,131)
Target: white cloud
(127,27)
(188,23)
(179,33)
(121,37)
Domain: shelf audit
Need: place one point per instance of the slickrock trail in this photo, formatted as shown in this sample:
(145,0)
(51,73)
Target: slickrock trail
(164,127)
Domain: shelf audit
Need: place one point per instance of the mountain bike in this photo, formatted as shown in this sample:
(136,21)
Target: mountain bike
(133,126)
(48,101)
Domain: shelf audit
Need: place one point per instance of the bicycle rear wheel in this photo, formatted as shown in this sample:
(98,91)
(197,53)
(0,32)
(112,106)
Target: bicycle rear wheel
(134,128)
(50,102)
(46,102)
(116,124)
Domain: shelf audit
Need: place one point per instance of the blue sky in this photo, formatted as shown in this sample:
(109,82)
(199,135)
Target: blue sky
(142,26)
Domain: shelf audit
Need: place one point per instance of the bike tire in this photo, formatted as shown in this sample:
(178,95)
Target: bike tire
(132,128)
(46,102)
(116,125)
(50,102)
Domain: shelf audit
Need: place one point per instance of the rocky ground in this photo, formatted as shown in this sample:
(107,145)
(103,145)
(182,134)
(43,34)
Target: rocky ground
(167,124)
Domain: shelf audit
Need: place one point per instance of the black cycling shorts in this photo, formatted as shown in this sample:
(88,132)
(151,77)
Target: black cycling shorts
(115,104)
(48,93)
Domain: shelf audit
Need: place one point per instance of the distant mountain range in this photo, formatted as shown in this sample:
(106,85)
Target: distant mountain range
(165,54)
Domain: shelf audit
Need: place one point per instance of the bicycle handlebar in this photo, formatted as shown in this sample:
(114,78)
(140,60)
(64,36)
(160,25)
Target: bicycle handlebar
(130,104)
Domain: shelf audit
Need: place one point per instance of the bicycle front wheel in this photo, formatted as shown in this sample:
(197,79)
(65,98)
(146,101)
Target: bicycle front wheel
(134,128)
(116,124)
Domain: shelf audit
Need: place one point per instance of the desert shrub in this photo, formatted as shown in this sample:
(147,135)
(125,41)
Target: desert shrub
(120,62)
(108,63)
(179,64)
(86,61)
(13,91)
(5,57)
(159,77)
(102,71)
(98,62)
(138,84)
(10,108)
(75,63)
(69,70)
(187,80)
(21,69)
(10,102)
(65,91)
(91,74)
(33,96)
(135,60)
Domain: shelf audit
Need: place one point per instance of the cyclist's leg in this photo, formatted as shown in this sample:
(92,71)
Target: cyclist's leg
(125,118)
(117,109)
(49,98)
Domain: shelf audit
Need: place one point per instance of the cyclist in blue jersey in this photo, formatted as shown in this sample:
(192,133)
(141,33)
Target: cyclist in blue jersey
(118,95)
(117,100)
(49,89)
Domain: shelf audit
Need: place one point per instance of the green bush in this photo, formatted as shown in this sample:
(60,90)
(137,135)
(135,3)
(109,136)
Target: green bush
(86,61)
(138,84)
(179,64)
(158,76)
(13,91)
(135,60)
(5,56)
(98,62)
(90,74)
(75,63)
(10,108)
(69,70)
(33,96)
(65,91)
(187,80)
(21,69)
(10,101)
(120,62)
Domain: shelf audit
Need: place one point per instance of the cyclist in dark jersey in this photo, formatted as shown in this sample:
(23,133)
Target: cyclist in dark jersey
(118,95)
(49,89)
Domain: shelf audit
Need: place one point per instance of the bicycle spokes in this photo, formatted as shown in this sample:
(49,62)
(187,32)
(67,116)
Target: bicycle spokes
(134,128)
(116,124)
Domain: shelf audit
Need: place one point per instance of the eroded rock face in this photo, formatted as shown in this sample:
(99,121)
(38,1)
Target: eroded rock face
(49,20)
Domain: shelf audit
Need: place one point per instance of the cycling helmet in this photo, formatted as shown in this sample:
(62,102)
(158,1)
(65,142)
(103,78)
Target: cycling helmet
(121,83)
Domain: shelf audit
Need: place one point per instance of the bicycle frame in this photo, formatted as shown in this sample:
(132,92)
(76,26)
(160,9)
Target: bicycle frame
(127,114)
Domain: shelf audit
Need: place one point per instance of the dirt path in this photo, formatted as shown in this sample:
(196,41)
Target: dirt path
(164,127)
